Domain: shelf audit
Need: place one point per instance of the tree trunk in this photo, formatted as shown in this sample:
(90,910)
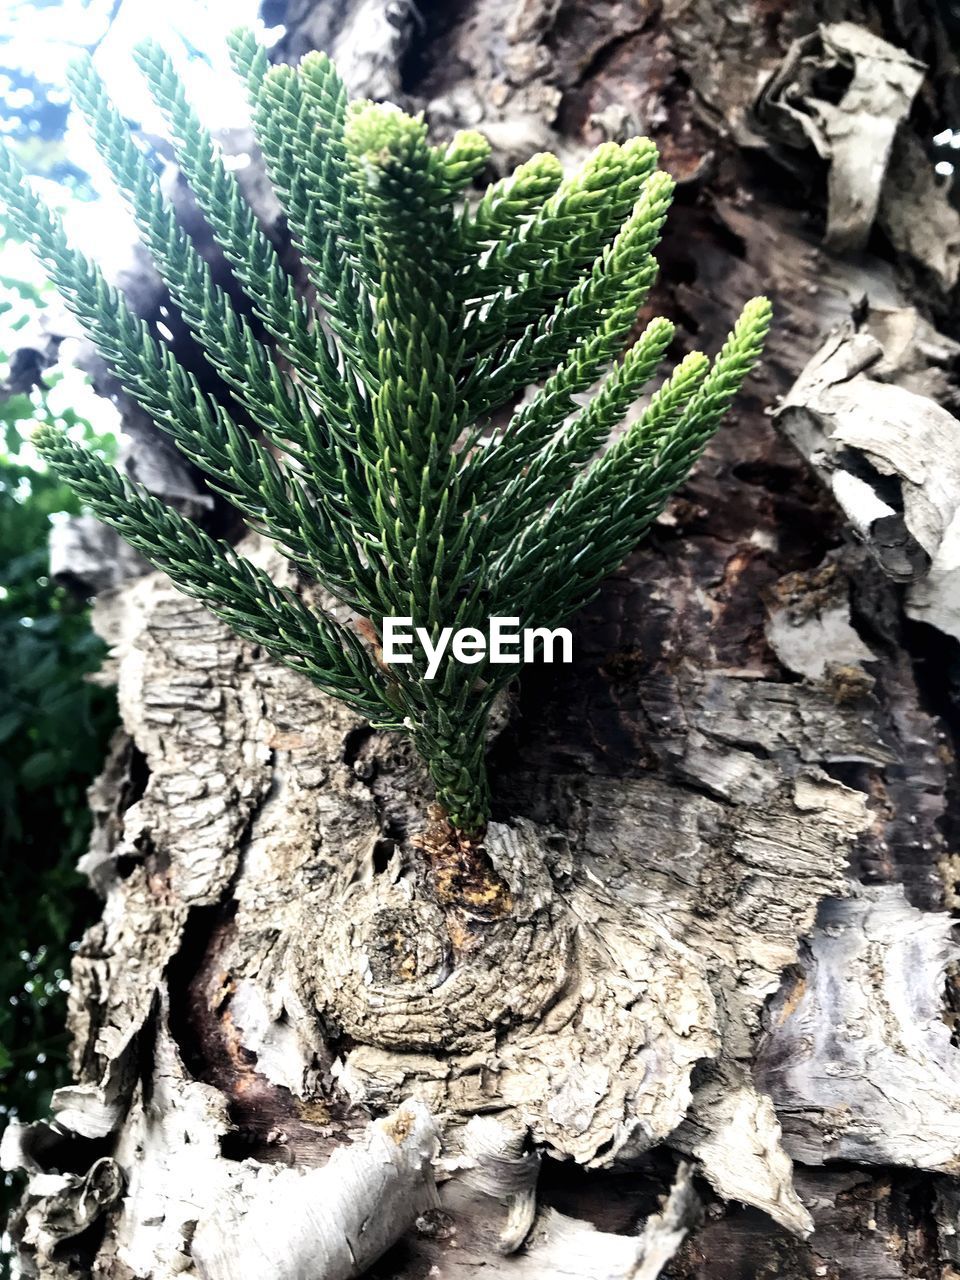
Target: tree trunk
(698,1023)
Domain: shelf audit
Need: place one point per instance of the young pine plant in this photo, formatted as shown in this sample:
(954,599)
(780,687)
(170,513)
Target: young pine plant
(359,437)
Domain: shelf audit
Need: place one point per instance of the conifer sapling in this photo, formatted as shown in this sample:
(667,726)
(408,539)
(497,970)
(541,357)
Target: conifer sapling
(366,453)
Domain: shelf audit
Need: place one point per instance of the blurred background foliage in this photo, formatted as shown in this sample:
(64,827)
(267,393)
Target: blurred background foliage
(55,722)
(54,728)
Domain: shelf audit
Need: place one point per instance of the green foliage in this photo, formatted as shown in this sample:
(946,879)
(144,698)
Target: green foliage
(53,730)
(373,466)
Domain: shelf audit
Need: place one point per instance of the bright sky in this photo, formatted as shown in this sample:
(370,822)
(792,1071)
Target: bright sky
(42,38)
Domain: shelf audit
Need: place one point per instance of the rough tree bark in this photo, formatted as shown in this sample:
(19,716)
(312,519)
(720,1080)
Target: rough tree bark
(700,1024)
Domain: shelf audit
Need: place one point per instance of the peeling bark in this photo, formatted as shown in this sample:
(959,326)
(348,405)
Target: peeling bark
(858,1060)
(856,134)
(892,459)
(695,1021)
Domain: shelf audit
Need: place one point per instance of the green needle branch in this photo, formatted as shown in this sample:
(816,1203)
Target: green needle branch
(359,438)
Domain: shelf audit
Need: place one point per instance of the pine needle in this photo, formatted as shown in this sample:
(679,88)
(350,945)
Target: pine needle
(354,437)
